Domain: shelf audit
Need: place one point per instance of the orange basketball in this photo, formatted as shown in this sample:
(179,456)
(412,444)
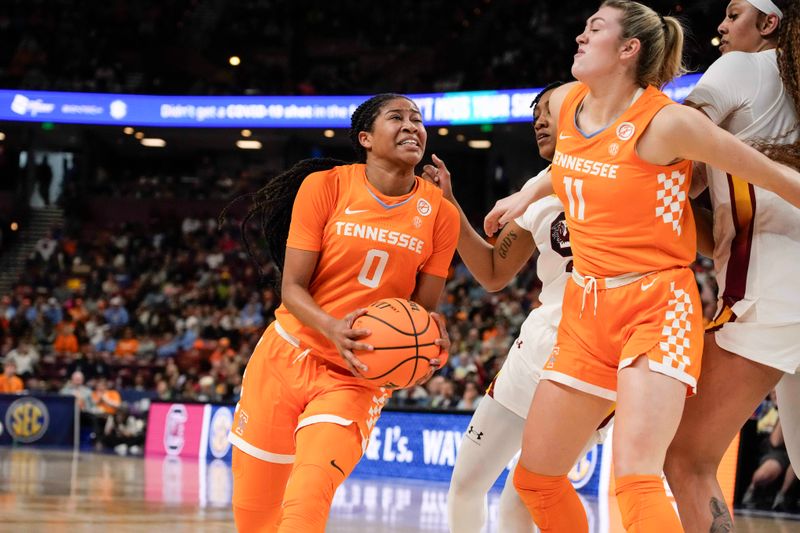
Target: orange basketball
(402,334)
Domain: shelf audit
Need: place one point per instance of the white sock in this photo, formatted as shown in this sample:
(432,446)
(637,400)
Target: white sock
(514,516)
(493,436)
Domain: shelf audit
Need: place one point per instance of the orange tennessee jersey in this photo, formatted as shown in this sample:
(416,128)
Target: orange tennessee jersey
(624,214)
(370,246)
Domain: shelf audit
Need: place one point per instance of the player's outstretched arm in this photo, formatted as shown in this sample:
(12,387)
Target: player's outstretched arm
(492,265)
(298,268)
(513,206)
(692,136)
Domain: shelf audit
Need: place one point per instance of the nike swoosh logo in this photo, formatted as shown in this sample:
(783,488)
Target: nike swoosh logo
(646,286)
(562,136)
(333,464)
(348,211)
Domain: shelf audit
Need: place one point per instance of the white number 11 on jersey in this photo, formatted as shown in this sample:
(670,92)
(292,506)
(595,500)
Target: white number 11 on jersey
(579,193)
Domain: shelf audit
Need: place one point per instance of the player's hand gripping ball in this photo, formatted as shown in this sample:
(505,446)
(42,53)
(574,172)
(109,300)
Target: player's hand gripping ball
(403,335)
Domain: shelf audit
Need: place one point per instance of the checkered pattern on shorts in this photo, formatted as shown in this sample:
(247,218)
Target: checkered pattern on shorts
(675,343)
(672,199)
(378,401)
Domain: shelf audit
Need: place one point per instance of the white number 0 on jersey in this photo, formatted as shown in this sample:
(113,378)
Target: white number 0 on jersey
(382,257)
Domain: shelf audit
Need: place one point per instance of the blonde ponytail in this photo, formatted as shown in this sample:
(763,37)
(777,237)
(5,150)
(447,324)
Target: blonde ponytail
(661,56)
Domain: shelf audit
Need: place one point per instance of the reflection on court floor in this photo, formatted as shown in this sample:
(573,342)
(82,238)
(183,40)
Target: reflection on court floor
(58,491)
(408,505)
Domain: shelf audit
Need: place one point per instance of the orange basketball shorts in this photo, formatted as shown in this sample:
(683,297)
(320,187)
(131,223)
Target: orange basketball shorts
(286,388)
(608,323)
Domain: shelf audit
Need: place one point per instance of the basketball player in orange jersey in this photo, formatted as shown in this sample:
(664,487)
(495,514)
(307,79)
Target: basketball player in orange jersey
(358,233)
(495,430)
(631,329)
(754,341)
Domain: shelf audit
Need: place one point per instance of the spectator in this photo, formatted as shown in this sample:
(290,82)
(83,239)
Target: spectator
(774,466)
(222,352)
(116,315)
(25,357)
(77,388)
(43,333)
(91,364)
(163,390)
(446,399)
(105,342)
(52,311)
(105,399)
(207,390)
(128,345)
(251,318)
(9,382)
(471,397)
(44,178)
(66,341)
(434,387)
(123,433)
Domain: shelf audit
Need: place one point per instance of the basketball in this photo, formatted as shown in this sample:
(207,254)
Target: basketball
(402,334)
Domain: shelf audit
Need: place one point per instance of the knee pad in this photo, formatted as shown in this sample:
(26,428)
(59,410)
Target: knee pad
(644,506)
(552,501)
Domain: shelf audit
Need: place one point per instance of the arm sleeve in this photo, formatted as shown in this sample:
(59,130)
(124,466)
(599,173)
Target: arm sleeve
(725,86)
(312,208)
(445,240)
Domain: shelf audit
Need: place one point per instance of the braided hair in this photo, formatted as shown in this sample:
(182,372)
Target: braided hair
(271,205)
(787,53)
(540,95)
(364,117)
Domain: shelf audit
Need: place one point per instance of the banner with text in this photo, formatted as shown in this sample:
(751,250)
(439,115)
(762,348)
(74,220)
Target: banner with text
(416,445)
(425,446)
(438,109)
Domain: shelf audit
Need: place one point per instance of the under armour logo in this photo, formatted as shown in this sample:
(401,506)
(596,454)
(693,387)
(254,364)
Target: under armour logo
(519,344)
(478,434)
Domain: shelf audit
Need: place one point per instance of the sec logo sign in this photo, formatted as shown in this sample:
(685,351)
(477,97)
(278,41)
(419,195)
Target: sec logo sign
(27,420)
(221,424)
(584,469)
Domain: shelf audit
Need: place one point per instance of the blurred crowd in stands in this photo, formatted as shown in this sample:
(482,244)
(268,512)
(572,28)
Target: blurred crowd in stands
(183,46)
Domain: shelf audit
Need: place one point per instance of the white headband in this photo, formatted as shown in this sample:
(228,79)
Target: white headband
(768,7)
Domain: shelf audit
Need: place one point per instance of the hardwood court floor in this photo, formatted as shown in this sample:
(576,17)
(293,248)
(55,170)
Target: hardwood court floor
(56,491)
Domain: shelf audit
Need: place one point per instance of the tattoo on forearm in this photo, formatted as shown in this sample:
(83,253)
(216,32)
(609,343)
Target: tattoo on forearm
(721,518)
(505,244)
